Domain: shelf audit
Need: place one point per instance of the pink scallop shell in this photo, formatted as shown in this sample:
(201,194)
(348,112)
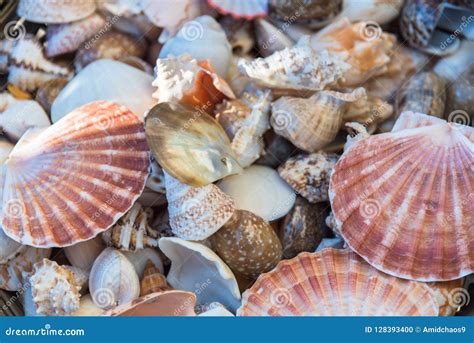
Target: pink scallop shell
(334,283)
(248,9)
(76,178)
(405,199)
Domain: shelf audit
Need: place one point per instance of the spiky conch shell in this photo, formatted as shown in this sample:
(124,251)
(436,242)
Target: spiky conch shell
(54,12)
(188,81)
(153,280)
(196,212)
(241,9)
(54,288)
(403,200)
(297,68)
(334,283)
(76,178)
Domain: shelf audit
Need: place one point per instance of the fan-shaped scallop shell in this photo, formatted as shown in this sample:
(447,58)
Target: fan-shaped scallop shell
(54,12)
(249,9)
(404,199)
(75,178)
(334,283)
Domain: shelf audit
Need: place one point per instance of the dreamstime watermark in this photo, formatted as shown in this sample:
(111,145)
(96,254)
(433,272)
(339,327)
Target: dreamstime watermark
(106,28)
(104,298)
(280,297)
(370,31)
(459,117)
(458,297)
(369,208)
(47,330)
(465,21)
(192,30)
(281,120)
(282,29)
(14,30)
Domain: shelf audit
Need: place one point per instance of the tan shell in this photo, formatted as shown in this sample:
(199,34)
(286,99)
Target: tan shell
(54,12)
(195,213)
(404,198)
(153,280)
(312,123)
(82,255)
(450,295)
(369,110)
(132,232)
(334,283)
(248,244)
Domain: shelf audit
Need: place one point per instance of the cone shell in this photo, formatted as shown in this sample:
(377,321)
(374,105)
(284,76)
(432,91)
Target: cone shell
(153,280)
(54,12)
(334,283)
(404,199)
(241,9)
(247,244)
(196,212)
(94,163)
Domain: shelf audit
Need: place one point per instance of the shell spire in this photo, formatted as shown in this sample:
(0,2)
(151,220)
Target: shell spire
(153,280)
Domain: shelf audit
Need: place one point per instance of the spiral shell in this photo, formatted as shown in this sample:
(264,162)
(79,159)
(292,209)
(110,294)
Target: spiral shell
(153,280)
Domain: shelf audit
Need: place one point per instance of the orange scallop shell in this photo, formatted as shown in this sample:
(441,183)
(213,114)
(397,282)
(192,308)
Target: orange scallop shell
(334,283)
(404,199)
(76,178)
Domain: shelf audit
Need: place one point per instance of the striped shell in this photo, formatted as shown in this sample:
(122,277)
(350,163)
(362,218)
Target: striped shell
(54,12)
(334,283)
(249,9)
(76,178)
(404,199)
(153,280)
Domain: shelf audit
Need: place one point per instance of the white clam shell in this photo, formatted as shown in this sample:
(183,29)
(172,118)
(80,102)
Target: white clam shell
(140,258)
(196,268)
(260,190)
(113,280)
(82,255)
(106,80)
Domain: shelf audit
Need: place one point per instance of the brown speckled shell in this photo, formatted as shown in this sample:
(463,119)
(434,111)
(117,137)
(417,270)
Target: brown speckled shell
(247,244)
(334,283)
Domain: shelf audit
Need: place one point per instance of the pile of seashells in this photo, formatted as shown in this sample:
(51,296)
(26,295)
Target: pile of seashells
(224,157)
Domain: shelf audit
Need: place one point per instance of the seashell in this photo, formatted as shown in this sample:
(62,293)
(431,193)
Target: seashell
(247,244)
(132,89)
(49,91)
(194,39)
(357,132)
(241,9)
(312,123)
(195,213)
(29,305)
(447,294)
(297,68)
(54,289)
(87,308)
(10,306)
(101,198)
(381,12)
(111,45)
(132,232)
(82,255)
(29,69)
(113,280)
(54,12)
(137,25)
(169,303)
(452,67)
(336,243)
(21,116)
(362,45)
(11,273)
(9,249)
(187,81)
(369,110)
(80,276)
(153,280)
(239,35)
(138,63)
(200,309)
(461,96)
(277,149)
(270,38)
(189,144)
(121,8)
(423,93)
(154,193)
(308,174)
(260,190)
(140,258)
(196,268)
(334,283)
(215,311)
(314,14)
(303,228)
(379,197)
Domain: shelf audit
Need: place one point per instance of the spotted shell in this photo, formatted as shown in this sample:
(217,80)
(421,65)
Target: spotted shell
(334,283)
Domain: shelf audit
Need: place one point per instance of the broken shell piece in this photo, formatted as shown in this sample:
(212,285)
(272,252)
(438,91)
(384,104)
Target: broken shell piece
(66,38)
(369,110)
(132,232)
(297,68)
(334,283)
(48,92)
(312,123)
(196,268)
(394,196)
(87,308)
(247,244)
(139,259)
(308,174)
(79,199)
(381,12)
(195,213)
(357,132)
(450,296)
(153,280)
(194,39)
(260,190)
(187,81)
(82,255)
(270,38)
(189,144)
(113,280)
(54,12)
(54,289)
(241,9)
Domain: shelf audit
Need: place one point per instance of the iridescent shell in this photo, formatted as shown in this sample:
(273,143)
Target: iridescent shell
(241,9)
(195,213)
(94,163)
(153,280)
(404,199)
(334,283)
(247,244)
(54,12)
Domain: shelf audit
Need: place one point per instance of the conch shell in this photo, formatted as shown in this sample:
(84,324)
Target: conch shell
(153,280)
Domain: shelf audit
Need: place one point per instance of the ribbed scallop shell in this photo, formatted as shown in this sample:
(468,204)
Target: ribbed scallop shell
(54,12)
(404,199)
(76,178)
(196,212)
(248,9)
(334,283)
